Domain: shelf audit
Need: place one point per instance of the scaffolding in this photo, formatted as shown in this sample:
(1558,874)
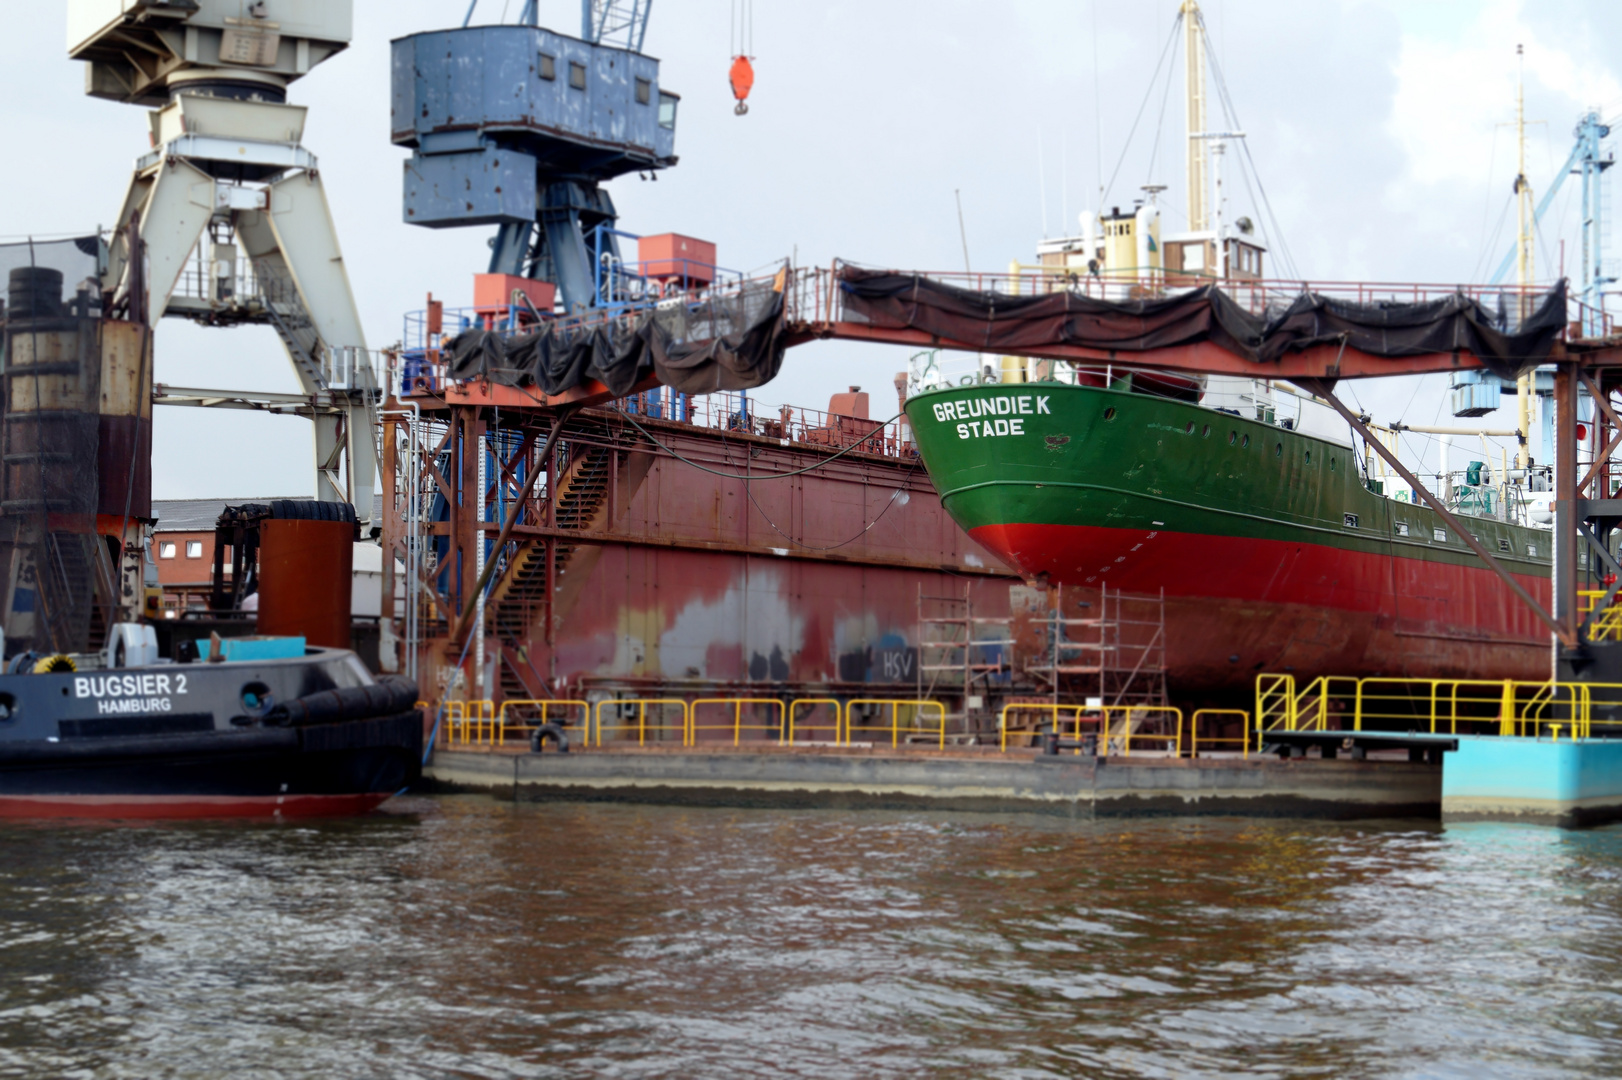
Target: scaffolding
(1116,653)
(963,655)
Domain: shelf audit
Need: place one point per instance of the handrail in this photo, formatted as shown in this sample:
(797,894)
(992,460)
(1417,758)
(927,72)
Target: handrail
(1513,708)
(1126,734)
(737,725)
(545,704)
(1194,731)
(838,728)
(641,725)
(1051,708)
(895,715)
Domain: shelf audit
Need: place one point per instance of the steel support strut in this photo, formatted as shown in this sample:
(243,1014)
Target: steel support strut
(1566,636)
(1564,575)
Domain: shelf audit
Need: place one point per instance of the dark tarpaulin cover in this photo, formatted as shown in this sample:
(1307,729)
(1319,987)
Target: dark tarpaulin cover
(995,322)
(730,342)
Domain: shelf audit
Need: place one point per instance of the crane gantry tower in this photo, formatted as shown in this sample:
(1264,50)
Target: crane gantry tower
(227,170)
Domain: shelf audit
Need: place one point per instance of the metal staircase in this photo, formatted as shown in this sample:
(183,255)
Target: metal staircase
(521,594)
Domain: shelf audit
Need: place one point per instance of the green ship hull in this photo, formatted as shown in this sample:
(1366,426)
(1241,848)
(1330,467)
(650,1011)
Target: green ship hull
(1272,553)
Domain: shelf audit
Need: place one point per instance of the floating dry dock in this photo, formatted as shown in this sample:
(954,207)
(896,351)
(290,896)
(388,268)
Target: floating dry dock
(1541,780)
(1065,784)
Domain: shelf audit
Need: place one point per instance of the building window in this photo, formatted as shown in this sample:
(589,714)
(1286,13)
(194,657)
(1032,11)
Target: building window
(194,549)
(166,549)
(667,110)
(549,67)
(644,91)
(577,75)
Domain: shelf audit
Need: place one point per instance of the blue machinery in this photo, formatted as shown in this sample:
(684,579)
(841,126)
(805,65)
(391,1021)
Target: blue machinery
(1477,393)
(518,126)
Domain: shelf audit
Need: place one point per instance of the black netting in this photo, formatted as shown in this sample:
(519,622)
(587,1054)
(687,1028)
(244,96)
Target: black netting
(732,341)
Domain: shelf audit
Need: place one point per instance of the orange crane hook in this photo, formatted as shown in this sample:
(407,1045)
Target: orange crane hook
(742,77)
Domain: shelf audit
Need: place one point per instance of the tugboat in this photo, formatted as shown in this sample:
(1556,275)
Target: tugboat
(286,730)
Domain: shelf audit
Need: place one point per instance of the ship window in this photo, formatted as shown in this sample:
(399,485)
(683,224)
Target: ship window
(1532,550)
(1440,535)
(1350,520)
(1109,413)
(1331,464)
(1278,451)
(1309,457)
(166,549)
(577,75)
(667,111)
(1402,528)
(549,67)
(1503,545)
(1233,437)
(1205,433)
(194,549)
(1245,441)
(644,91)
(1189,430)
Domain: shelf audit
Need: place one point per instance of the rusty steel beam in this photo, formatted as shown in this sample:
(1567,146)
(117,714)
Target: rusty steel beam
(1564,578)
(1567,637)
(477,393)
(613,539)
(1316,362)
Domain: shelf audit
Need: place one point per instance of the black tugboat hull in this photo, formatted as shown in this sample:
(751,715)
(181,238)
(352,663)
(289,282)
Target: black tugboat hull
(204,757)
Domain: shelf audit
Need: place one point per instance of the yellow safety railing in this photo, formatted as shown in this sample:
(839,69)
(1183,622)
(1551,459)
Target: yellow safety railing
(1275,702)
(1436,706)
(1243,738)
(896,705)
(794,727)
(470,723)
(1053,710)
(1588,599)
(545,706)
(737,726)
(1111,736)
(641,725)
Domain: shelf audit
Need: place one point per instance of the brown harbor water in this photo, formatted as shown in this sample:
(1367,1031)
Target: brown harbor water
(463,937)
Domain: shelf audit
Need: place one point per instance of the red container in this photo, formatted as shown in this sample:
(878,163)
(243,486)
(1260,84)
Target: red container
(493,293)
(674,256)
(306,574)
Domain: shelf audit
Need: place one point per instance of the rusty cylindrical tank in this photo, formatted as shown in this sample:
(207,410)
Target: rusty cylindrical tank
(306,571)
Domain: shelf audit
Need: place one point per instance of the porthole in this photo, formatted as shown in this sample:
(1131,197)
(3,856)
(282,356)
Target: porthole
(1189,430)
(1309,457)
(1233,437)
(1331,464)
(1245,441)
(1205,433)
(1278,451)
(1109,413)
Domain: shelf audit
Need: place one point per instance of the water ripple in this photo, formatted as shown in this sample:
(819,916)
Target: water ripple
(469,938)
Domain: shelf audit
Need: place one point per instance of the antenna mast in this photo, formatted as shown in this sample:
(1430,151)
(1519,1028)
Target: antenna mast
(1194,55)
(1523,255)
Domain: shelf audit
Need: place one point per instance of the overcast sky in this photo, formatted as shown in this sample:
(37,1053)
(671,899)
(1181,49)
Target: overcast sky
(1376,128)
